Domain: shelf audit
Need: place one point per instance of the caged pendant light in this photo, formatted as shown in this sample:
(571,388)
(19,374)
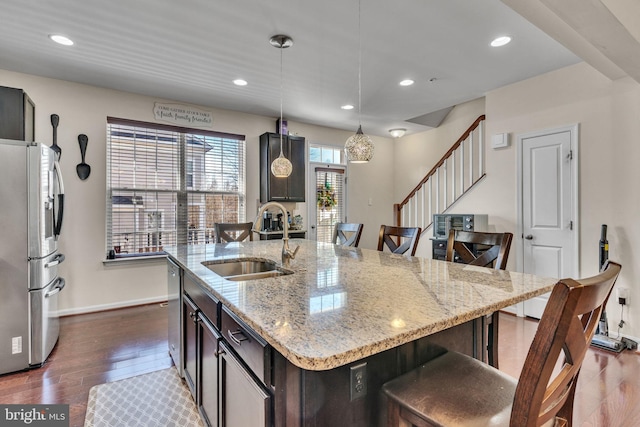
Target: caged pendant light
(359,147)
(281,167)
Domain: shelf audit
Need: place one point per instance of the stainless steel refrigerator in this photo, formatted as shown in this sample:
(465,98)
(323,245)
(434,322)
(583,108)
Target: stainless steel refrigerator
(31,210)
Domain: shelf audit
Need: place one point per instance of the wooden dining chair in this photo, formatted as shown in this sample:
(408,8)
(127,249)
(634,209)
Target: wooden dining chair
(233,232)
(458,390)
(392,237)
(347,234)
(485,250)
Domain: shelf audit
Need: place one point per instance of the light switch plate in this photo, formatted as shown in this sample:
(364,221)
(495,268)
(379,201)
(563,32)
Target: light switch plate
(500,140)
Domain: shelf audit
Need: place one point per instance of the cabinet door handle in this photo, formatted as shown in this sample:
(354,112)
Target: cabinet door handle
(528,237)
(194,317)
(232,335)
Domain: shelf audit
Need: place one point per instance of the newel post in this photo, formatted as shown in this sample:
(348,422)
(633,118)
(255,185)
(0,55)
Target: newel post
(397,214)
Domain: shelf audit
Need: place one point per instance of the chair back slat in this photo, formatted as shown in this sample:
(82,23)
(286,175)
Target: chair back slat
(565,331)
(391,237)
(233,232)
(462,242)
(347,234)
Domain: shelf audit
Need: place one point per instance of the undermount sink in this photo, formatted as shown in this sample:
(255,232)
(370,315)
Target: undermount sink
(245,269)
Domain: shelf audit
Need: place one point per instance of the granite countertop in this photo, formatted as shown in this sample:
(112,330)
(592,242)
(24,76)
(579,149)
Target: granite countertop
(344,304)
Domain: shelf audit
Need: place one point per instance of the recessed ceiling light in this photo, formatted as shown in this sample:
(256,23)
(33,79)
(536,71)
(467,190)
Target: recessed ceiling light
(407,82)
(66,41)
(240,82)
(347,107)
(500,41)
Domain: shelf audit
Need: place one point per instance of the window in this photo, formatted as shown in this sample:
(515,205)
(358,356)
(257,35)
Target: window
(330,198)
(327,175)
(325,154)
(168,185)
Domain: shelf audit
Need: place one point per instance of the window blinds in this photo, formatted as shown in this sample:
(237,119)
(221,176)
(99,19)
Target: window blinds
(168,185)
(329,201)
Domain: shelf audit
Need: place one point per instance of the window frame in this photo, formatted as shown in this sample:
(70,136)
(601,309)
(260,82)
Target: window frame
(182,195)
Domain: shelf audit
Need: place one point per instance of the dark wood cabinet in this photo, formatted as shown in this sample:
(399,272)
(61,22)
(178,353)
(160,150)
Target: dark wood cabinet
(292,188)
(190,349)
(209,402)
(200,349)
(17,115)
(245,400)
(275,235)
(225,364)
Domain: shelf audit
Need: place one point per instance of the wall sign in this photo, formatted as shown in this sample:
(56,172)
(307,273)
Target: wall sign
(182,115)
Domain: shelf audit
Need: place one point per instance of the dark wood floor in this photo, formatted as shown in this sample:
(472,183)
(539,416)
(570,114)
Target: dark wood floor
(101,347)
(93,349)
(608,390)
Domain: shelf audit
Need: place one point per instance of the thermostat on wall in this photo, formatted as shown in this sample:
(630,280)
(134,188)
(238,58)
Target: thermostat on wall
(500,140)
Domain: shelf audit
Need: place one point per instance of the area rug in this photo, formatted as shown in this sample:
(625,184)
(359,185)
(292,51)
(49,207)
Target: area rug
(156,399)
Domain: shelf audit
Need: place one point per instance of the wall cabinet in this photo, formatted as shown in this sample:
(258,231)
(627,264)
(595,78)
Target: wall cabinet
(17,115)
(292,188)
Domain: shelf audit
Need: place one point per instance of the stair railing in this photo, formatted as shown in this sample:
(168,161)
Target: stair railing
(461,167)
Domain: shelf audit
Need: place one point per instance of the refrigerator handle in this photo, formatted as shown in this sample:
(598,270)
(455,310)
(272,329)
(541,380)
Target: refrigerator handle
(56,288)
(58,221)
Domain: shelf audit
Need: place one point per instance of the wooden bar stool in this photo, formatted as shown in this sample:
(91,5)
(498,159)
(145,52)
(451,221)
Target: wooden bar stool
(458,390)
(462,246)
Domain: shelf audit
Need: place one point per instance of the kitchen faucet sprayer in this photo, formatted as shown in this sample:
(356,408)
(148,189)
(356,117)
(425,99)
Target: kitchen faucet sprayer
(287,254)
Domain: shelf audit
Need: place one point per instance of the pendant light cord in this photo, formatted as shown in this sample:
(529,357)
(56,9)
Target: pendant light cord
(359,69)
(281,96)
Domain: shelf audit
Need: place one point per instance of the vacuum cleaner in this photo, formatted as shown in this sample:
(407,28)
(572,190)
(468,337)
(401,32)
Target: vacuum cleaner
(602,339)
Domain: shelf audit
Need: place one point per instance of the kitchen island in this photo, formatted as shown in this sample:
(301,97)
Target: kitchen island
(345,321)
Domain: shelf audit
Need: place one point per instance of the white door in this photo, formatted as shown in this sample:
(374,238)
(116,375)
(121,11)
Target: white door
(327,184)
(548,207)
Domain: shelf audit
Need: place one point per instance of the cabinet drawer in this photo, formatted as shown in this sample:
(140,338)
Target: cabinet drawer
(252,349)
(207,303)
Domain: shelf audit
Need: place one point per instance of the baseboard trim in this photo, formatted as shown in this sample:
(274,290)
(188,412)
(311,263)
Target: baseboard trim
(112,306)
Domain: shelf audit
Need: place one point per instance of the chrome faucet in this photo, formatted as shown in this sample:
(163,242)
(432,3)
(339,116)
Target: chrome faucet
(287,254)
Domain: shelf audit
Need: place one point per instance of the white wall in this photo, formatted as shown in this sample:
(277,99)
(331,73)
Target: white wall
(91,285)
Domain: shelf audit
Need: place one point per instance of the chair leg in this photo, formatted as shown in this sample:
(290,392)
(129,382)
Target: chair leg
(492,340)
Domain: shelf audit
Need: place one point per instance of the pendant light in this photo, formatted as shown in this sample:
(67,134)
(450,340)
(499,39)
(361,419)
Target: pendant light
(281,167)
(359,147)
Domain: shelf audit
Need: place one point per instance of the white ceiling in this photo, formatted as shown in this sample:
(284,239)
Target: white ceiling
(190,51)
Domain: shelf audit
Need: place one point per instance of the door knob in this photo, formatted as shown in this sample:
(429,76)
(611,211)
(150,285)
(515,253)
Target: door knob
(528,237)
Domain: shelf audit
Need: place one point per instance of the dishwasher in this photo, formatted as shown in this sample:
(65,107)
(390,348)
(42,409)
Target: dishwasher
(175,314)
